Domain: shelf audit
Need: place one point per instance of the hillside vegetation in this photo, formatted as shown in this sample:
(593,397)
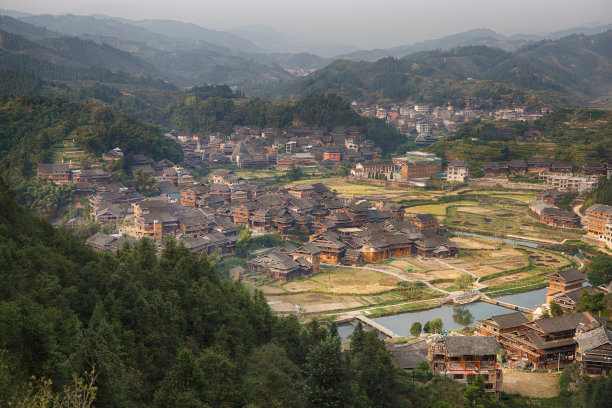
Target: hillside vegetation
(206,109)
(575,135)
(31,126)
(567,70)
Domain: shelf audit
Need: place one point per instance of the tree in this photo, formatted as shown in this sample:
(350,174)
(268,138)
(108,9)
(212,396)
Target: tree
(555,309)
(244,243)
(326,376)
(592,302)
(465,282)
(145,183)
(427,327)
(416,329)
(601,270)
(374,372)
(436,325)
(295,174)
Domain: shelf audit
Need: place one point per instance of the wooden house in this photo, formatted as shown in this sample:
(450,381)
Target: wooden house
(594,351)
(500,324)
(560,218)
(463,357)
(57,173)
(564,281)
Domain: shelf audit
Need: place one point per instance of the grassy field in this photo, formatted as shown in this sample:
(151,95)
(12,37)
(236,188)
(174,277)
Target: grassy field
(438,210)
(344,280)
(499,215)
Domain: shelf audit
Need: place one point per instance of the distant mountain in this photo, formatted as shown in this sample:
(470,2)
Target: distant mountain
(77,53)
(283,42)
(576,67)
(478,36)
(192,32)
(30,31)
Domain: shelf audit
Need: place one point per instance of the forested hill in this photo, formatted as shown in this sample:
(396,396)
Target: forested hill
(205,109)
(575,135)
(571,69)
(31,126)
(74,59)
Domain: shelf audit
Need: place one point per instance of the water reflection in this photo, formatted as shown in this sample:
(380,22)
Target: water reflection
(462,316)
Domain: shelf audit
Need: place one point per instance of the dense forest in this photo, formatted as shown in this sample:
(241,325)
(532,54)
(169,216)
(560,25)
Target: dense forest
(168,332)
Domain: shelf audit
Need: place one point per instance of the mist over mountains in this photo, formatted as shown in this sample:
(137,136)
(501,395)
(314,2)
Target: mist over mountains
(273,63)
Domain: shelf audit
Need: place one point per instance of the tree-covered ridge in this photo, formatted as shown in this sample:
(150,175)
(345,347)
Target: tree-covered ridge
(202,111)
(576,135)
(568,69)
(30,126)
(73,60)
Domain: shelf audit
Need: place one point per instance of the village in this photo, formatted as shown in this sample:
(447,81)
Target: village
(429,123)
(376,241)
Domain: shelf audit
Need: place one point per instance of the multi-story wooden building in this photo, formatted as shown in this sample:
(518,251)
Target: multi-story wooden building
(463,357)
(546,343)
(192,194)
(596,218)
(537,165)
(517,168)
(495,169)
(564,281)
(560,218)
(57,173)
(594,351)
(497,325)
(550,196)
(421,169)
(594,168)
(332,249)
(426,222)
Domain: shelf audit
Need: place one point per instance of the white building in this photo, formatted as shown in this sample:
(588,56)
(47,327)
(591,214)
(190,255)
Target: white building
(457,170)
(422,128)
(567,182)
(421,108)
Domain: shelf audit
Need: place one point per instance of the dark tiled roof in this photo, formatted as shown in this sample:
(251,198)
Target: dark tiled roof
(470,345)
(408,356)
(594,338)
(569,275)
(510,320)
(564,323)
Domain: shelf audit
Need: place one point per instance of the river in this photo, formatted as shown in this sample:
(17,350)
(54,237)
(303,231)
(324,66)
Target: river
(453,317)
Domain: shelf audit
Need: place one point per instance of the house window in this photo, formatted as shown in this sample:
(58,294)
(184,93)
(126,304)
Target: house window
(457,376)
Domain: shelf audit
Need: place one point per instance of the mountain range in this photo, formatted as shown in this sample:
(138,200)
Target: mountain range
(263,60)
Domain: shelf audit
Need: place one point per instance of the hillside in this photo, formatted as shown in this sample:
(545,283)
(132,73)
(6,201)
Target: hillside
(571,69)
(31,126)
(73,52)
(576,135)
(204,110)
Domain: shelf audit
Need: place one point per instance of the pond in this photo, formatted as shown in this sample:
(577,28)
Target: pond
(453,317)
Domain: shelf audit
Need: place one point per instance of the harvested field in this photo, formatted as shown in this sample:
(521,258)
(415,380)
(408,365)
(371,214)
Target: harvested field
(271,290)
(472,243)
(540,385)
(508,278)
(344,280)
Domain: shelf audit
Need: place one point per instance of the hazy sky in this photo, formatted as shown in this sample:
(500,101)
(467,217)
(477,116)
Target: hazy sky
(367,24)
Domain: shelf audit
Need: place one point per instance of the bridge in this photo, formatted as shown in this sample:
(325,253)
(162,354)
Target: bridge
(485,298)
(349,317)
